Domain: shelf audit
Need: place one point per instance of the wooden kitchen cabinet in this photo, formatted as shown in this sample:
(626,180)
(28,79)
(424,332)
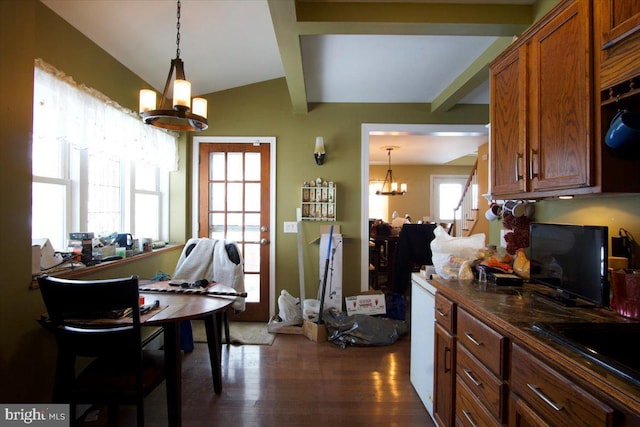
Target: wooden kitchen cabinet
(542,108)
(619,45)
(561,103)
(444,362)
(509,123)
(543,395)
(554,92)
(481,365)
(444,377)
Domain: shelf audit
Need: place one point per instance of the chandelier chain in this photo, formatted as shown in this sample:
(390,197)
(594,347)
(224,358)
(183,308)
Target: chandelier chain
(178,32)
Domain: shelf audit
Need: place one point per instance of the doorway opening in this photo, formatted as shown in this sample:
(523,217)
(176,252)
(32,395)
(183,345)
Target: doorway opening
(370,129)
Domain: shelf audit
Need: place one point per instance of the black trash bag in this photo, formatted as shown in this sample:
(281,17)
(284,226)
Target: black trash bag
(362,329)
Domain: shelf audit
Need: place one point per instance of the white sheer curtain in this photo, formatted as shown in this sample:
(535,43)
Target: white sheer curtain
(87,119)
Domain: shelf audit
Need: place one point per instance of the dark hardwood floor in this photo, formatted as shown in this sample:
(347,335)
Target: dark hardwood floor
(294,382)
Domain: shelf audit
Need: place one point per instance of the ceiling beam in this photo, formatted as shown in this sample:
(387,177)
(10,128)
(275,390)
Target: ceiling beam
(293,19)
(433,18)
(283,15)
(471,78)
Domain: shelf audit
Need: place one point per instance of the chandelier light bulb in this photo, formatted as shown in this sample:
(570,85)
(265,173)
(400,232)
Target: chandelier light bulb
(181,94)
(199,107)
(147,100)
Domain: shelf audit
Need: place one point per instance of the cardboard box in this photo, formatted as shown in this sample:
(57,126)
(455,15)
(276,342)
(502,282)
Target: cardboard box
(372,302)
(315,332)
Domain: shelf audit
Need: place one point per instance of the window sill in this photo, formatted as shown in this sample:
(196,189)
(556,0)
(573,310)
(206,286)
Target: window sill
(77,272)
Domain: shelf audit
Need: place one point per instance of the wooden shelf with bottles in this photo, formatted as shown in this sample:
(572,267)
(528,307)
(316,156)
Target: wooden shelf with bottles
(318,202)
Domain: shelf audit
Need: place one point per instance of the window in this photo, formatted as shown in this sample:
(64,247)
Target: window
(95,166)
(378,205)
(446,191)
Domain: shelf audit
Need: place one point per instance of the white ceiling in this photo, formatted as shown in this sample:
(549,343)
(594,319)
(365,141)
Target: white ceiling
(230,43)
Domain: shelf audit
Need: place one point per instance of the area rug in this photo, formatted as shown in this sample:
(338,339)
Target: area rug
(248,333)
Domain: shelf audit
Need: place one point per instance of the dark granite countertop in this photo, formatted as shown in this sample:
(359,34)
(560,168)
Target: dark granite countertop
(512,311)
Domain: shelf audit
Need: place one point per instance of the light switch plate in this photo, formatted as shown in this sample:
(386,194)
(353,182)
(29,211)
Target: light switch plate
(290,227)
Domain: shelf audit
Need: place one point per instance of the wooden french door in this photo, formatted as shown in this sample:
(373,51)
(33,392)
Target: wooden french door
(234,205)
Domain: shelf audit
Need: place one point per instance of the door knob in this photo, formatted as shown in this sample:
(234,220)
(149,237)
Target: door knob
(264,241)
(264,228)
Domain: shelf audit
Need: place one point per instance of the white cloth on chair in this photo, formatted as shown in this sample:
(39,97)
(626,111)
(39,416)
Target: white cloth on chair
(204,258)
(196,262)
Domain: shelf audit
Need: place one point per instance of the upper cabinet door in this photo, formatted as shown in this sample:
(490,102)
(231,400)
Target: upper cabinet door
(619,22)
(561,102)
(509,123)
(622,20)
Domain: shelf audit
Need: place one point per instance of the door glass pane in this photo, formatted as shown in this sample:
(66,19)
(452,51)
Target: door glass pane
(234,196)
(216,230)
(234,171)
(252,287)
(252,197)
(252,257)
(251,227)
(217,195)
(234,227)
(252,167)
(216,169)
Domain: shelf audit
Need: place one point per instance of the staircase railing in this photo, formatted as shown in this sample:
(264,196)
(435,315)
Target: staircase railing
(466,212)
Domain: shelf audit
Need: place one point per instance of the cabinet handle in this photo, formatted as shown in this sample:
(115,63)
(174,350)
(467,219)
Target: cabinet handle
(532,175)
(467,415)
(446,359)
(442,313)
(518,174)
(472,339)
(472,377)
(542,396)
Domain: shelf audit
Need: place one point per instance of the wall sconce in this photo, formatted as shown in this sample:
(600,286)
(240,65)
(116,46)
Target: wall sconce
(319,154)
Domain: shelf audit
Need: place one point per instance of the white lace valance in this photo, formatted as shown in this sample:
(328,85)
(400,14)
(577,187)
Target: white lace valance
(87,119)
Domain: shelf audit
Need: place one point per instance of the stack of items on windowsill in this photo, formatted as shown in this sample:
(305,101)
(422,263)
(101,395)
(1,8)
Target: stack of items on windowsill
(81,246)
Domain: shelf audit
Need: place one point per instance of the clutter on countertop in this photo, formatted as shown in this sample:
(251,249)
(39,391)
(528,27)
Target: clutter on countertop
(452,256)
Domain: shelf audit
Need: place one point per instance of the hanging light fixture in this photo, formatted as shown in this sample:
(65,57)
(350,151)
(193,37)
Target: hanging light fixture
(186,114)
(389,186)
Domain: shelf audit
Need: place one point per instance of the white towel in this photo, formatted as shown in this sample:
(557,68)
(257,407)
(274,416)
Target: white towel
(209,260)
(228,273)
(199,264)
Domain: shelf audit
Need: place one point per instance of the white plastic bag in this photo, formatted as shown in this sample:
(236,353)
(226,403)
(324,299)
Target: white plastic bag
(450,253)
(289,307)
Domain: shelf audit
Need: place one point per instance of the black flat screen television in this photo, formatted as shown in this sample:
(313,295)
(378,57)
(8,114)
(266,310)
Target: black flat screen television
(572,259)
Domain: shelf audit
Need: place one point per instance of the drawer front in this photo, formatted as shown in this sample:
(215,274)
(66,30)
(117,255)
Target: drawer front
(483,383)
(552,395)
(445,313)
(469,411)
(484,343)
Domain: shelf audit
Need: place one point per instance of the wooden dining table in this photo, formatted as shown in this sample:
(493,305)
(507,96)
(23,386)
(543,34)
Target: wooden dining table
(173,309)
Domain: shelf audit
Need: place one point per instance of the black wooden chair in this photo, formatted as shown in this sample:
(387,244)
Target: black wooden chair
(120,371)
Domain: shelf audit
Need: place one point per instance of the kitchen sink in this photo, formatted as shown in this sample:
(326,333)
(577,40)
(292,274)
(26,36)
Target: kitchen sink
(610,345)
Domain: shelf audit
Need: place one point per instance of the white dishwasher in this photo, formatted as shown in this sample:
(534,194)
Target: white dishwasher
(422,338)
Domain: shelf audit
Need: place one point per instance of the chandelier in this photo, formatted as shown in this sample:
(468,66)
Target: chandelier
(186,114)
(389,186)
